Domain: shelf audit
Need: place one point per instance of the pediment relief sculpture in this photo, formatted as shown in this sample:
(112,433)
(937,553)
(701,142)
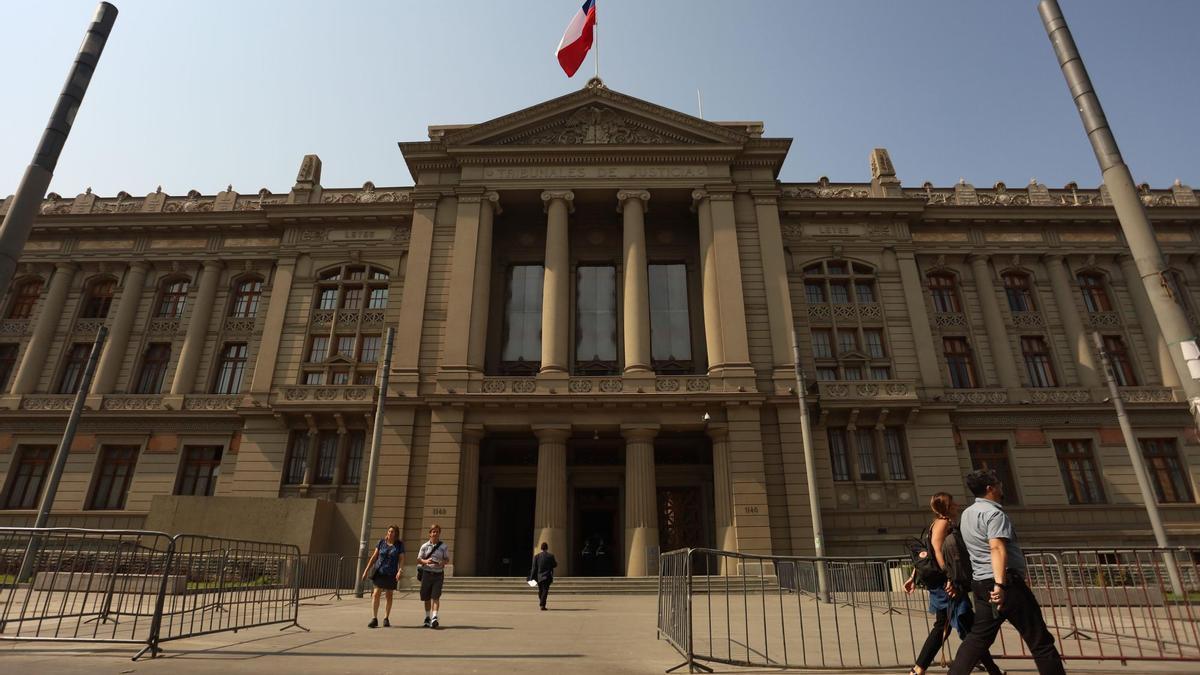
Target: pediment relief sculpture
(596,124)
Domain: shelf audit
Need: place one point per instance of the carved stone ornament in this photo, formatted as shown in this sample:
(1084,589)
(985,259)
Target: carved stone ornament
(565,195)
(596,124)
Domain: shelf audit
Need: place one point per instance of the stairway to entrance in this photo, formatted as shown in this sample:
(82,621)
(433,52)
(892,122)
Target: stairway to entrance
(594,585)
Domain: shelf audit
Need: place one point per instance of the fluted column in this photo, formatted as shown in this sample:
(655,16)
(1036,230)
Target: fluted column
(641,498)
(34,359)
(914,301)
(1064,299)
(708,281)
(722,489)
(993,321)
(481,299)
(118,339)
(468,509)
(632,205)
(556,284)
(775,279)
(1149,322)
(268,346)
(550,507)
(197,330)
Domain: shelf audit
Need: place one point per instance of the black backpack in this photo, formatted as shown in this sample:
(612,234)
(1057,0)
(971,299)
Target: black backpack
(958,559)
(920,551)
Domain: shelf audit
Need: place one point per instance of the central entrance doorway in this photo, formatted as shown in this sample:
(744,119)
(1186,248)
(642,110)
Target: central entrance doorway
(596,548)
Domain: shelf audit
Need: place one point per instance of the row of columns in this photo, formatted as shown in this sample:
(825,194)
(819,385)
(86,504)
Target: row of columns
(124,315)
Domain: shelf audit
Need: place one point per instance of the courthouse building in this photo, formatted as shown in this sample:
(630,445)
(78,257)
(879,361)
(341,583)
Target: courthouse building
(594,301)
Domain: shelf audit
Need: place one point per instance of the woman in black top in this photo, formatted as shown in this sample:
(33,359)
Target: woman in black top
(385,568)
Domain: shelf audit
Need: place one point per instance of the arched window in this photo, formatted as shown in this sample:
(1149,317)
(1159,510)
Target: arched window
(848,341)
(1095,292)
(1177,285)
(172,296)
(24,297)
(943,287)
(1018,287)
(247,291)
(97,298)
(344,343)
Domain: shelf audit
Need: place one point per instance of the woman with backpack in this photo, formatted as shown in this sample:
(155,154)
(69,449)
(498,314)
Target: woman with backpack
(384,569)
(948,600)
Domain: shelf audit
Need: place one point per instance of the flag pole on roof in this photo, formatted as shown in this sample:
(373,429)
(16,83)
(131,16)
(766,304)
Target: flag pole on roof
(577,39)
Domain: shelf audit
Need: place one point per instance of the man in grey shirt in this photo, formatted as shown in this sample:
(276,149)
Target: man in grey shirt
(998,581)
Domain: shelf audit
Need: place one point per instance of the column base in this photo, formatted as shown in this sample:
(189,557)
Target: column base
(552,381)
(638,541)
(10,402)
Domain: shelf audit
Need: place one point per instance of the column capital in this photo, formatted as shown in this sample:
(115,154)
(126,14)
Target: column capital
(626,194)
(139,265)
(66,267)
(425,200)
(1054,257)
(717,432)
(214,265)
(472,433)
(567,196)
(550,433)
(492,198)
(639,432)
(765,197)
(974,258)
(698,196)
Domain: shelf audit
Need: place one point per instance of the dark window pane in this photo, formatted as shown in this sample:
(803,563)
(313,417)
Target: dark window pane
(327,447)
(993,455)
(230,368)
(839,292)
(944,290)
(24,299)
(318,349)
(1121,362)
(868,467)
(369,348)
(26,474)
(297,461)
(874,343)
(1037,362)
(814,292)
(201,466)
(1019,291)
(154,368)
(327,298)
(98,298)
(245,299)
(1168,475)
(893,443)
(354,458)
(596,318)
(114,473)
(822,344)
(352,297)
(172,299)
(959,362)
(839,454)
(865,292)
(8,363)
(1078,467)
(523,315)
(72,375)
(378,298)
(670,318)
(1095,295)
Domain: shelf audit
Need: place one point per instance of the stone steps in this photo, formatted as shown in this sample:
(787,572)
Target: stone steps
(596,585)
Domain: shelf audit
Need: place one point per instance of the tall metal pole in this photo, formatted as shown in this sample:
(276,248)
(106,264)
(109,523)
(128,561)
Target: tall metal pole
(364,531)
(810,474)
(64,449)
(28,198)
(1139,465)
(1130,212)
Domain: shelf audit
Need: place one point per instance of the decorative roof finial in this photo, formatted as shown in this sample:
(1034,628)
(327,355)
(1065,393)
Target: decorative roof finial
(229,188)
(595,83)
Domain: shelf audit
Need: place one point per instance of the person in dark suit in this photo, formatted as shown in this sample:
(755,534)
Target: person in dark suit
(542,572)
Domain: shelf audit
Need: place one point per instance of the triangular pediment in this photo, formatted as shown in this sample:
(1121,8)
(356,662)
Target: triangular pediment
(596,116)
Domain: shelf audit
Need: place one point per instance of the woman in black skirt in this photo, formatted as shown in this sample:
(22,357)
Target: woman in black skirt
(385,568)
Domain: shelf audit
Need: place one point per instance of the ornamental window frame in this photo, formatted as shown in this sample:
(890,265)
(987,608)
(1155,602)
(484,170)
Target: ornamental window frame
(945,291)
(1019,291)
(1095,291)
(171,299)
(96,300)
(345,296)
(22,301)
(847,353)
(245,296)
(869,453)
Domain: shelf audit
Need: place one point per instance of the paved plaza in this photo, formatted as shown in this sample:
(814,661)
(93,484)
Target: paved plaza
(480,634)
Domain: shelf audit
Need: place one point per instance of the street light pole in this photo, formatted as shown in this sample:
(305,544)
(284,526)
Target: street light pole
(27,200)
(810,474)
(364,531)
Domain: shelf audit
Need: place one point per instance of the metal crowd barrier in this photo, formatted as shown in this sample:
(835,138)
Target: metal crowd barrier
(325,575)
(141,587)
(852,612)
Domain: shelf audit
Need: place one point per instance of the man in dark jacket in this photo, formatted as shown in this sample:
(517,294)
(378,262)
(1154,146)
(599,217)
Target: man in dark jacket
(542,572)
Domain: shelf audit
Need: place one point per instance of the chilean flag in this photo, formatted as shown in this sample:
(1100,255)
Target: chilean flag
(577,39)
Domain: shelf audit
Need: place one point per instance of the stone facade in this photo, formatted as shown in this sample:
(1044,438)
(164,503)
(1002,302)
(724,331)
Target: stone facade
(594,301)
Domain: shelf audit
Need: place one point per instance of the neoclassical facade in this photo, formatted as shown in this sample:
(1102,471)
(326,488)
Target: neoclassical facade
(594,302)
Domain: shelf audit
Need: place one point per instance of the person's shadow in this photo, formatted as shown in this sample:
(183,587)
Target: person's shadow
(455,627)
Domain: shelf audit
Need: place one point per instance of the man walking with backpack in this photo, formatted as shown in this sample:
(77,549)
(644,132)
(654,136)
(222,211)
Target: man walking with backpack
(432,559)
(998,581)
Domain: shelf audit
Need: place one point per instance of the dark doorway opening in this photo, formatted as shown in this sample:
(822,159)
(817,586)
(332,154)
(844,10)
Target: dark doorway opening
(510,532)
(597,549)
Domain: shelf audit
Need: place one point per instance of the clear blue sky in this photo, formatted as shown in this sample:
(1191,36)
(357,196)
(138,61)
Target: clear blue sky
(208,92)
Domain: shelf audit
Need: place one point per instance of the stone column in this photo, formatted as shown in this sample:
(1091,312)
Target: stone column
(268,346)
(1148,322)
(407,353)
(463,258)
(556,284)
(468,509)
(197,329)
(722,489)
(34,359)
(550,507)
(481,301)
(122,325)
(928,361)
(734,339)
(641,498)
(779,301)
(708,281)
(1077,337)
(632,204)
(993,321)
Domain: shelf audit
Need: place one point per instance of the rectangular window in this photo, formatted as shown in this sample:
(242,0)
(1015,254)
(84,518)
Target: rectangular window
(314,378)
(839,454)
(327,447)
(364,378)
(154,368)
(1167,473)
(352,297)
(1078,467)
(354,458)
(827,374)
(8,363)
(245,299)
(24,300)
(942,288)
(852,373)
(868,467)
(378,298)
(1019,292)
(318,349)
(596,319)
(670,318)
(881,373)
(822,344)
(847,341)
(874,341)
(72,375)
(198,475)
(113,476)
(25,476)
(1037,361)
(1121,363)
(230,368)
(959,362)
(339,377)
(297,460)
(523,318)
(814,292)
(894,447)
(344,346)
(993,455)
(839,292)
(327,298)
(865,292)
(368,349)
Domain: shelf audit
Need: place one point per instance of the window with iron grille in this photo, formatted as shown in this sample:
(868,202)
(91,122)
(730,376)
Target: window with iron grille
(114,473)
(943,288)
(230,368)
(1095,292)
(24,298)
(172,296)
(993,455)
(154,368)
(1037,361)
(1079,473)
(246,295)
(73,367)
(26,475)
(1168,474)
(959,362)
(1018,288)
(97,298)
(199,470)
(1122,364)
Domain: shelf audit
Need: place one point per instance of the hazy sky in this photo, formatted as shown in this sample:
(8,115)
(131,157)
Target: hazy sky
(208,92)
